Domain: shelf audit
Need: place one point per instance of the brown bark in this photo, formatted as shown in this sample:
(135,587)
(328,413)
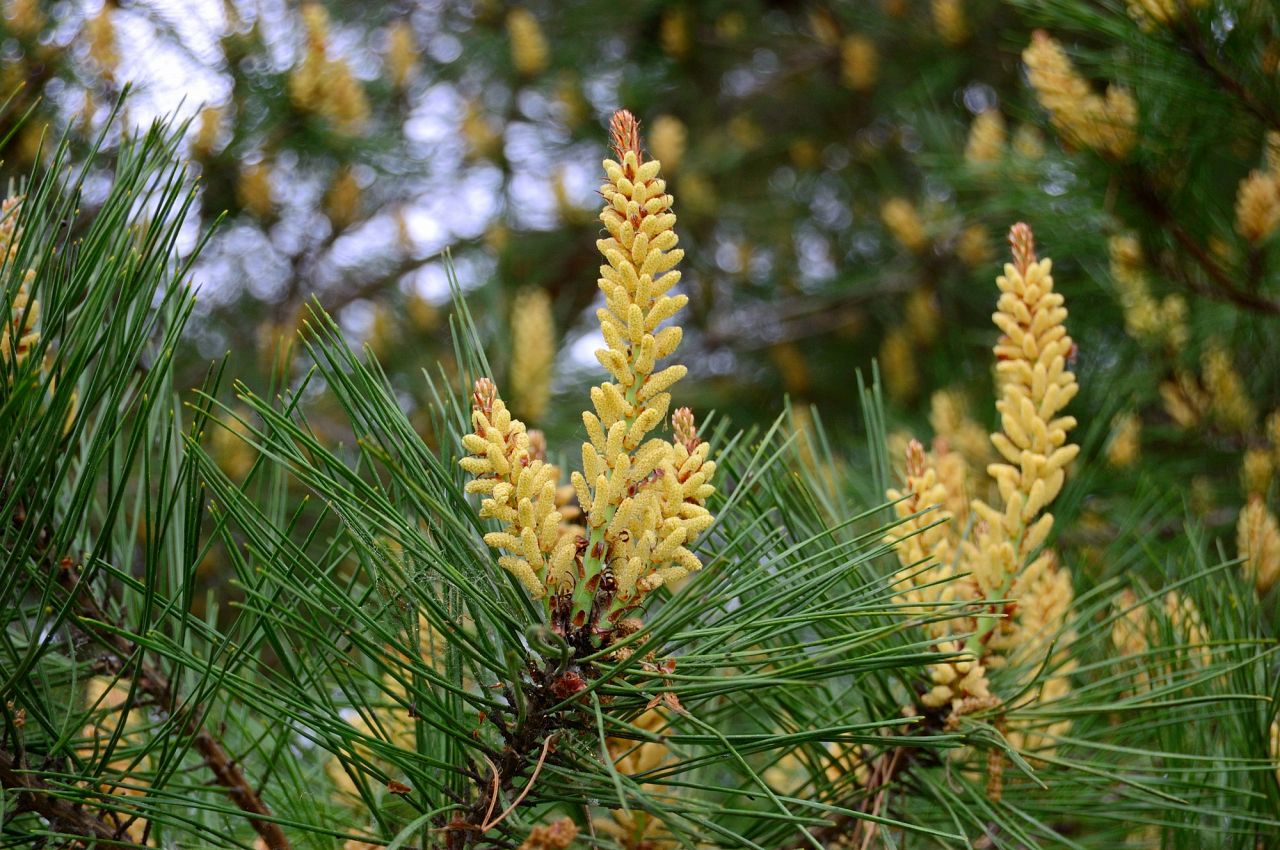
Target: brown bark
(153,683)
(35,795)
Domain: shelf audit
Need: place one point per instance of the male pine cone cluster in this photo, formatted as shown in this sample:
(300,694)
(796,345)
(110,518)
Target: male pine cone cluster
(642,497)
(1018,595)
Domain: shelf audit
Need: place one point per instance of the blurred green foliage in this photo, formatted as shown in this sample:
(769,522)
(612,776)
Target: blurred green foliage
(843,172)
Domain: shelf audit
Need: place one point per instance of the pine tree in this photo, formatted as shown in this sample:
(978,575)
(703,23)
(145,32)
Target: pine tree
(722,638)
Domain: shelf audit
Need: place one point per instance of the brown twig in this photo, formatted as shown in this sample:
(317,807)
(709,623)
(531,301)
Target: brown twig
(846,829)
(35,795)
(493,794)
(800,318)
(881,775)
(1191,38)
(335,302)
(1221,286)
(524,792)
(1109,533)
(528,742)
(155,685)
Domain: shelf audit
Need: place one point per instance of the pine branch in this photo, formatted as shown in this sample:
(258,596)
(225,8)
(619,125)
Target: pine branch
(801,317)
(152,682)
(1221,287)
(528,745)
(1167,529)
(853,830)
(35,795)
(1192,39)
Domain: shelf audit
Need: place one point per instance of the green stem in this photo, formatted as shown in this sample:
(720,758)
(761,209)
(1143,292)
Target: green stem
(584,590)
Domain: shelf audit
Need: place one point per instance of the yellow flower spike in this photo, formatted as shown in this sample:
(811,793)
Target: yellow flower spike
(21,333)
(521,487)
(207,132)
(730,26)
(1275,746)
(953,426)
(570,102)
(641,254)
(674,32)
(986,138)
(824,26)
(904,224)
(484,142)
(304,82)
(1272,431)
(1229,401)
(342,199)
(924,318)
(955,476)
(1129,631)
(1272,151)
(529,51)
(1149,13)
(1125,446)
(1028,142)
(1256,472)
(100,33)
(1036,384)
(791,365)
(121,723)
(1146,319)
(898,360)
(533,351)
(668,140)
(402,54)
(918,539)
(973,246)
(1258,543)
(642,498)
(950,21)
(393,726)
(1184,399)
(1106,124)
(1000,547)
(1135,630)
(24,18)
(859,62)
(638,830)
(324,86)
(1258,206)
(230,445)
(253,190)
(345,106)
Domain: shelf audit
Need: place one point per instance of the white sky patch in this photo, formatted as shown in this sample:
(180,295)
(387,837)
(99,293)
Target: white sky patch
(431,283)
(426,230)
(171,75)
(171,52)
(582,351)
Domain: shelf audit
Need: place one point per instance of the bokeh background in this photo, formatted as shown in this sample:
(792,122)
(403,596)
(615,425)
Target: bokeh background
(844,174)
